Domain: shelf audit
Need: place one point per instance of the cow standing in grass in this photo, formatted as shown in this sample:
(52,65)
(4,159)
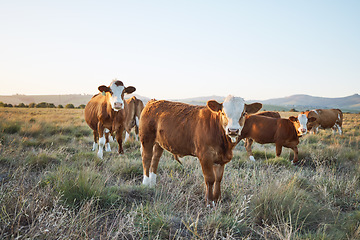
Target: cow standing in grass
(283,132)
(324,119)
(105,112)
(207,132)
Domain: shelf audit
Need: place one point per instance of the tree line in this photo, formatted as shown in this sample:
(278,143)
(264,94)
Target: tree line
(41,105)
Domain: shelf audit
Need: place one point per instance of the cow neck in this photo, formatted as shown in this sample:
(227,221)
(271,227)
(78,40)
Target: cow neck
(219,134)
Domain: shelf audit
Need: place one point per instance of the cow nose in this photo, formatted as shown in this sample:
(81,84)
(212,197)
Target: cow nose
(233,131)
(117,105)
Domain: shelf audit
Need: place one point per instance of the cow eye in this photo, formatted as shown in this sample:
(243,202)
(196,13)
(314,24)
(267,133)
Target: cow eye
(244,113)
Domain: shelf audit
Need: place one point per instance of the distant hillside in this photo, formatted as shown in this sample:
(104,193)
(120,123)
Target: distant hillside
(76,99)
(302,102)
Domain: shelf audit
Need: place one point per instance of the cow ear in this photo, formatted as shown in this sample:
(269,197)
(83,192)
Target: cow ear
(214,105)
(312,119)
(130,89)
(253,108)
(293,119)
(104,88)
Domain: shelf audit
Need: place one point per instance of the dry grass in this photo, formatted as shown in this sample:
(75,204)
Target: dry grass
(53,187)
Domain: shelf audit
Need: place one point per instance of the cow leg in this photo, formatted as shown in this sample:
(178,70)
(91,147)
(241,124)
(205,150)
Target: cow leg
(137,128)
(107,145)
(339,129)
(146,154)
(218,170)
(295,149)
(95,133)
(278,147)
(209,178)
(248,143)
(157,152)
(118,136)
(101,140)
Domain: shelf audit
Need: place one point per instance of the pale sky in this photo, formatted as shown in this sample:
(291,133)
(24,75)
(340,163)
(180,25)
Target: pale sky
(180,49)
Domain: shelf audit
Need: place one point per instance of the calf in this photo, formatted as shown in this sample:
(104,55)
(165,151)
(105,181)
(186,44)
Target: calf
(324,119)
(105,112)
(262,129)
(135,107)
(207,132)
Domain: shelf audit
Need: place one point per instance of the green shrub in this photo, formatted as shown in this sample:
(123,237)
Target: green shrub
(10,127)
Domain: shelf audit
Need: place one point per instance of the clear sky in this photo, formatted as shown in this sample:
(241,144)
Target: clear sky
(179,49)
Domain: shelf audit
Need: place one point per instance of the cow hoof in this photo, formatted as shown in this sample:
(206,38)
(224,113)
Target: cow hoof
(121,152)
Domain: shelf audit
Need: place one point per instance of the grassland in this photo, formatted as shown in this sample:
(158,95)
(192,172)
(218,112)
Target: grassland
(53,187)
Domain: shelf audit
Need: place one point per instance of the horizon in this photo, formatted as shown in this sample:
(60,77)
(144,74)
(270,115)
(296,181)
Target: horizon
(178,50)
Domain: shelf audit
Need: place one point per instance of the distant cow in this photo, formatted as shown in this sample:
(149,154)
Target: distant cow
(324,119)
(262,129)
(133,111)
(105,113)
(207,132)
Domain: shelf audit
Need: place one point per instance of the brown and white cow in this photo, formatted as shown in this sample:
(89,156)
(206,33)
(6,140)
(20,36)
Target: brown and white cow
(135,107)
(207,132)
(324,119)
(105,112)
(281,131)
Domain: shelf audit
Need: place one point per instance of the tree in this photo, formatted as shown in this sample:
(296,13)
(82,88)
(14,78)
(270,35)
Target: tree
(2,104)
(60,106)
(69,105)
(82,106)
(42,105)
(32,105)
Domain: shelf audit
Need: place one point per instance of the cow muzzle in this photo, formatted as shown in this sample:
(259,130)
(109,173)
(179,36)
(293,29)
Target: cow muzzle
(233,133)
(303,131)
(118,106)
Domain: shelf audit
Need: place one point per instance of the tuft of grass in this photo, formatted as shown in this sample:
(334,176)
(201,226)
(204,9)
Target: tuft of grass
(278,161)
(41,161)
(10,127)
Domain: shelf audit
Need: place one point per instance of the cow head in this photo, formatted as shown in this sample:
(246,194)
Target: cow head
(303,120)
(116,92)
(312,117)
(232,113)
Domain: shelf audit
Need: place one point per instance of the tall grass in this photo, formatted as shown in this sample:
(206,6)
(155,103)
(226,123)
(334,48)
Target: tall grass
(52,186)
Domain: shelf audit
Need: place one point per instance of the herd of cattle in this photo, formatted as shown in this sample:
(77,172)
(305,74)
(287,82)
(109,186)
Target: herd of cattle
(209,132)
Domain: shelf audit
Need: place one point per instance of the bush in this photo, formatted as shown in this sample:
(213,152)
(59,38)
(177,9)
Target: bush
(69,105)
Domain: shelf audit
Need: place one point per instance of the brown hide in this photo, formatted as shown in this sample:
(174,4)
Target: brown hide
(324,118)
(263,129)
(184,129)
(269,114)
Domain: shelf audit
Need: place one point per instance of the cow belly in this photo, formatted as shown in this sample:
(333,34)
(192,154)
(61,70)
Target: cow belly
(174,143)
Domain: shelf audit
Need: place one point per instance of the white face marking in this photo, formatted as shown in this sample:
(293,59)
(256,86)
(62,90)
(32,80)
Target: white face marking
(315,112)
(303,121)
(233,107)
(116,100)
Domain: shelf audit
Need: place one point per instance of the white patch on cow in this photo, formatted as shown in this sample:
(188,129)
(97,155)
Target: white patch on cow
(146,180)
(111,139)
(315,112)
(126,136)
(137,121)
(303,121)
(252,158)
(233,108)
(95,145)
(339,129)
(339,116)
(107,147)
(152,179)
(116,101)
(211,204)
(106,130)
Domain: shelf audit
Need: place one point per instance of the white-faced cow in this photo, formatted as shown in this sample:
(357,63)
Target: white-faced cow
(133,111)
(324,119)
(262,129)
(105,113)
(207,132)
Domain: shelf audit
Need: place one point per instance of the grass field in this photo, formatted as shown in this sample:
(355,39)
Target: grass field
(52,186)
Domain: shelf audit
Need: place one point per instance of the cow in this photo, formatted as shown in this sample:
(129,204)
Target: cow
(105,112)
(324,119)
(135,107)
(207,132)
(281,131)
